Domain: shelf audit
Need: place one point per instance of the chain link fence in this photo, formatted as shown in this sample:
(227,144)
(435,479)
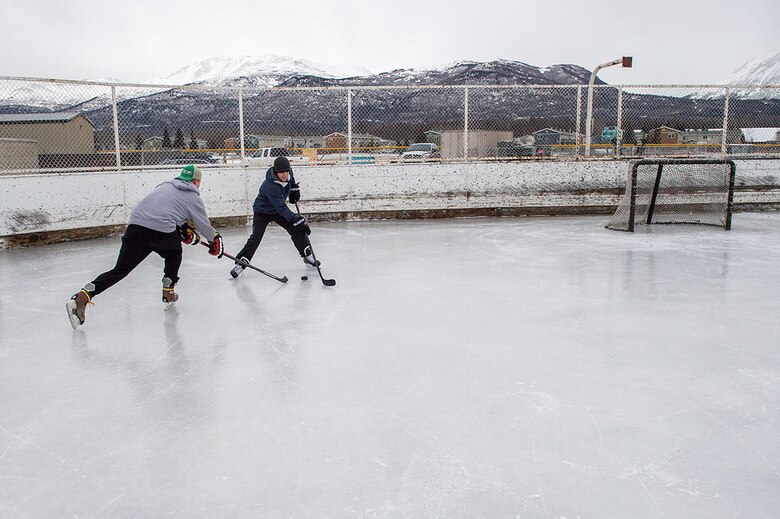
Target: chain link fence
(71,125)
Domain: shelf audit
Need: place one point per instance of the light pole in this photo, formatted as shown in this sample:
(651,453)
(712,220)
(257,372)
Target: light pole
(626,62)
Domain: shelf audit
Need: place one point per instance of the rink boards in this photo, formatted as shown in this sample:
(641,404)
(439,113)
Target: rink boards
(55,207)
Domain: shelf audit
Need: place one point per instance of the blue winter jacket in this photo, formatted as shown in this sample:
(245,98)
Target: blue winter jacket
(272,196)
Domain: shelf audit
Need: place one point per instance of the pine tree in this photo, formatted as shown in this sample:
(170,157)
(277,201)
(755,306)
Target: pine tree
(178,141)
(166,139)
(139,141)
(193,142)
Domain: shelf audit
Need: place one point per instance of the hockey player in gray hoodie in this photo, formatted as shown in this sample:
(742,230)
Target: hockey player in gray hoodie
(171,214)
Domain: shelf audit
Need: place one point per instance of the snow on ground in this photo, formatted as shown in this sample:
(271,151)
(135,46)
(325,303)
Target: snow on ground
(513,367)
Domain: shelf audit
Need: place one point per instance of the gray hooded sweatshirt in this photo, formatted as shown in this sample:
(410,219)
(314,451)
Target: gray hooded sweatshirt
(172,203)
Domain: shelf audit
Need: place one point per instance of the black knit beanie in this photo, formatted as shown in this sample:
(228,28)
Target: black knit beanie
(281,164)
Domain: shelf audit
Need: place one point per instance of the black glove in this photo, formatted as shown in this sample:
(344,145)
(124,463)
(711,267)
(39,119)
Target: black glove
(215,247)
(295,193)
(188,235)
(299,223)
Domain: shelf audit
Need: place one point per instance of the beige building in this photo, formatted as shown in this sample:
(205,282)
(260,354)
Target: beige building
(338,141)
(711,136)
(664,135)
(18,154)
(482,143)
(56,133)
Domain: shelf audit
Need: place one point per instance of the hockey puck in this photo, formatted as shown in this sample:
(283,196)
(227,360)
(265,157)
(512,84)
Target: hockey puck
(304,278)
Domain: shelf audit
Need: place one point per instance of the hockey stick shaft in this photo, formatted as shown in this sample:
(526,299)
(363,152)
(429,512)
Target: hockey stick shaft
(326,282)
(250,266)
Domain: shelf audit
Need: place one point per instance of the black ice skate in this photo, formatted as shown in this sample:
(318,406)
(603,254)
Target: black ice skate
(308,258)
(241,264)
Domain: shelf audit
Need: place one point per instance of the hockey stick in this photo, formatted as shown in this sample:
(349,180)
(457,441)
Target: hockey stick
(250,266)
(326,282)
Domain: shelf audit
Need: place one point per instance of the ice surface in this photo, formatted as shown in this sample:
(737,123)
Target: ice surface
(513,367)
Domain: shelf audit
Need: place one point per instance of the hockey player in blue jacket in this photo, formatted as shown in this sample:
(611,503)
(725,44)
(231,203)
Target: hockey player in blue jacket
(270,206)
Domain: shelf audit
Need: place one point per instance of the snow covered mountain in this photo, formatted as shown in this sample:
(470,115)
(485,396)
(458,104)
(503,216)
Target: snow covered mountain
(268,70)
(759,71)
(497,72)
(272,70)
(264,71)
(48,94)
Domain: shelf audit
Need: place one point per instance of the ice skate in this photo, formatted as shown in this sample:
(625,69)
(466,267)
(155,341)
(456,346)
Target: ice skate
(239,267)
(308,258)
(77,307)
(169,296)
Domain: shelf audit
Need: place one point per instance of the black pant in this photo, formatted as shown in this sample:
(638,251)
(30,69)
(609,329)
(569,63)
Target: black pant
(259,224)
(137,243)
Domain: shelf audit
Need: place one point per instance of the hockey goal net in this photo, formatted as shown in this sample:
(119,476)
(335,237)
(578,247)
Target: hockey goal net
(693,191)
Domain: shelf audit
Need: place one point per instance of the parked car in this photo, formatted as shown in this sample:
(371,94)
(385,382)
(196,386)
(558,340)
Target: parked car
(421,151)
(514,149)
(265,157)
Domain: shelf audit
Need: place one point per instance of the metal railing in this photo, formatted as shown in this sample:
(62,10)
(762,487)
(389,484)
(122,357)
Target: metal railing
(56,125)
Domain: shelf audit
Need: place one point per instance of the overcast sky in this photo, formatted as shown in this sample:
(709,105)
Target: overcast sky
(672,41)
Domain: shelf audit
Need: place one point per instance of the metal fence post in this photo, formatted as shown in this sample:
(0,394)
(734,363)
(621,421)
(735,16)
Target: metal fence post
(349,125)
(116,128)
(724,139)
(589,118)
(241,120)
(619,136)
(579,121)
(465,123)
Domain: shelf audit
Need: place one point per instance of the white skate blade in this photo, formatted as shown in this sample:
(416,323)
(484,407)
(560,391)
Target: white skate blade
(170,305)
(70,306)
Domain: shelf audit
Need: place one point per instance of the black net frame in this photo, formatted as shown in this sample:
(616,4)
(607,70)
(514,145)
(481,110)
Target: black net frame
(676,191)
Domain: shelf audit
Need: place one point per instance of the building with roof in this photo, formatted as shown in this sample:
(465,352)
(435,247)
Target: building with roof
(711,136)
(18,154)
(664,135)
(433,136)
(338,141)
(55,133)
(761,135)
(551,136)
(481,143)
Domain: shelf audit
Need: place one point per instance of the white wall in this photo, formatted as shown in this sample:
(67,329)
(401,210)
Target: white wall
(60,201)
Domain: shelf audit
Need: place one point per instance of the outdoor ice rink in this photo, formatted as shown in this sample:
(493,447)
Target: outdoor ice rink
(461,368)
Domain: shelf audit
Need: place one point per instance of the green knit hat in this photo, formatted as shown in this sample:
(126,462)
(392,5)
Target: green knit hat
(190,173)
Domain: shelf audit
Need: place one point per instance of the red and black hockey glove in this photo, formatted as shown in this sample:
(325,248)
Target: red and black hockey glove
(215,247)
(188,235)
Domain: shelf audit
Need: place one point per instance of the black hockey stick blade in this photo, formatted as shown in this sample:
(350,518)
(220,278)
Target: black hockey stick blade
(250,266)
(326,282)
(282,279)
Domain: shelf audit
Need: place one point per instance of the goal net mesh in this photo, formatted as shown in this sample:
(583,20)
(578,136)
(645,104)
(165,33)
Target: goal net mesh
(683,191)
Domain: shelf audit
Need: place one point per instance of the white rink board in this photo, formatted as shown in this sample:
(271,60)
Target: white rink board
(62,201)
